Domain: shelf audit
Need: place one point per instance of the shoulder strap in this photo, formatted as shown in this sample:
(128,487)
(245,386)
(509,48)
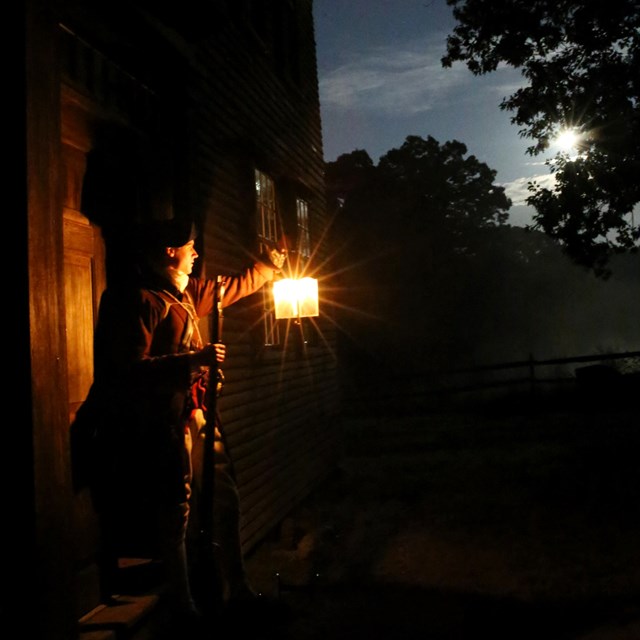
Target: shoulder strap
(166,303)
(191,326)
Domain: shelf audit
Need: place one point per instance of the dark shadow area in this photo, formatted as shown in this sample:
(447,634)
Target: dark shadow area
(387,611)
(516,520)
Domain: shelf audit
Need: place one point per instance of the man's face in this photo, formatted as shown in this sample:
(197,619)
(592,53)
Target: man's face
(182,258)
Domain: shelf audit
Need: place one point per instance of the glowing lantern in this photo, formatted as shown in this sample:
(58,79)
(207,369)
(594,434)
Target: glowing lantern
(295,298)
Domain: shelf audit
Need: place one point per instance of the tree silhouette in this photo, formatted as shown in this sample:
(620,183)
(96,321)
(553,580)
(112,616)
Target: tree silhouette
(581,61)
(423,190)
(440,193)
(403,232)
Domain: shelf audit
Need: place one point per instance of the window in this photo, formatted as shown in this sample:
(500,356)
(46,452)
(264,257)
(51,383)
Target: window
(304,236)
(308,329)
(268,234)
(267,211)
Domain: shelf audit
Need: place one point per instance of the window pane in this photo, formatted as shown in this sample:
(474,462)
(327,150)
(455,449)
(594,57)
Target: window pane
(304,236)
(266,203)
(267,219)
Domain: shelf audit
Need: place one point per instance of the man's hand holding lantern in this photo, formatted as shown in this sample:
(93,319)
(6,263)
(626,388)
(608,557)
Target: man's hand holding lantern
(278,257)
(274,255)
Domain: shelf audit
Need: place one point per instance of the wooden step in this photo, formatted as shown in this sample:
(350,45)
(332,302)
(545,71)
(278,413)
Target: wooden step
(132,614)
(120,618)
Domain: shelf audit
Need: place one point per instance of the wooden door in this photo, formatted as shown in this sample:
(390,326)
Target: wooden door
(84,278)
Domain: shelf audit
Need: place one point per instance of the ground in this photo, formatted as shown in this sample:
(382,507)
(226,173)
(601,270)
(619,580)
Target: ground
(519,522)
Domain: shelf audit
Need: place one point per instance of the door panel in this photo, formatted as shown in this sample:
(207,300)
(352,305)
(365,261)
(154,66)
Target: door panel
(78,293)
(84,283)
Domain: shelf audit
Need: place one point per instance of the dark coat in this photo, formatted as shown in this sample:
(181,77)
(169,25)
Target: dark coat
(128,436)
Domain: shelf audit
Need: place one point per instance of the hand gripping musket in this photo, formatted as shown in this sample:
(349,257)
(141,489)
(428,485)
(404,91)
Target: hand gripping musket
(205,502)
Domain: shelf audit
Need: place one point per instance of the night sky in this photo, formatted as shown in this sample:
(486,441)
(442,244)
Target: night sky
(381,80)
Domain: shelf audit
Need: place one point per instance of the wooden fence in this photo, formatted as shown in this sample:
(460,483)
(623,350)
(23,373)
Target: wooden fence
(530,379)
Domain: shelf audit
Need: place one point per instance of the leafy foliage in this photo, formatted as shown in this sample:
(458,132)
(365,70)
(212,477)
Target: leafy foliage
(422,190)
(581,62)
(436,186)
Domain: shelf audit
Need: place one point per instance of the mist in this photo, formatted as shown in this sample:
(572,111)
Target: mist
(516,297)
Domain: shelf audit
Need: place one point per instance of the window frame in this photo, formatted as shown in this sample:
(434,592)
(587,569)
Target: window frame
(269,229)
(303,239)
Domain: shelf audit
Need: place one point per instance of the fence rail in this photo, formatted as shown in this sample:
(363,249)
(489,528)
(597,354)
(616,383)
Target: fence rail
(532,377)
(531,362)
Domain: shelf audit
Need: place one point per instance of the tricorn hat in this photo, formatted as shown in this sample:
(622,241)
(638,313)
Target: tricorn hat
(170,232)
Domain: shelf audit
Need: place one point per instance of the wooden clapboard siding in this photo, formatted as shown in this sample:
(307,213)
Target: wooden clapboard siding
(279,409)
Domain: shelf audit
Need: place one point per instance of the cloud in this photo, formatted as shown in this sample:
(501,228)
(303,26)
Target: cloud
(404,81)
(517,189)
(521,214)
